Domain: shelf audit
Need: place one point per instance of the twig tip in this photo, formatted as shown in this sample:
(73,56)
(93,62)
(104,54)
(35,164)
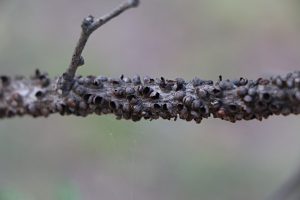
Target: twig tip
(134,3)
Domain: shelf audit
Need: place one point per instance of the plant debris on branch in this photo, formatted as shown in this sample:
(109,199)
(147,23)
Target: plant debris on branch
(139,98)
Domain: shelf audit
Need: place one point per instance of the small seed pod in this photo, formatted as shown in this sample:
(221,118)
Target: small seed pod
(156,106)
(262,81)
(17,98)
(127,80)
(146,91)
(13,103)
(180,107)
(252,91)
(113,105)
(179,95)
(265,97)
(114,81)
(58,107)
(126,115)
(168,86)
(146,80)
(162,115)
(45,112)
(233,108)
(221,113)
(136,80)
(202,93)
(105,111)
(102,78)
(290,83)
(188,100)
(275,108)
(32,109)
(236,82)
(242,91)
(243,81)
(79,90)
(87,97)
(154,95)
(260,105)
(126,107)
(81,80)
(119,92)
(162,80)
(137,109)
(130,97)
(13,112)
(71,103)
(279,82)
(97,100)
(2,112)
(280,94)
(297,82)
(39,94)
(136,118)
(215,91)
(5,80)
(83,106)
(197,104)
(216,104)
(166,106)
(98,83)
(297,95)
(225,85)
(285,111)
(129,91)
(195,115)
(179,84)
(197,82)
(248,99)
(198,120)
(239,116)
(204,111)
(209,82)
(183,114)
(118,114)
(20,112)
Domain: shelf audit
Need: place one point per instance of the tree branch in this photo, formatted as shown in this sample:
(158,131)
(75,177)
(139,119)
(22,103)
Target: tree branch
(150,98)
(88,26)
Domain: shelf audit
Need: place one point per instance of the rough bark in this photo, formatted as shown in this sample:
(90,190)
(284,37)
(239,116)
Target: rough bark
(149,98)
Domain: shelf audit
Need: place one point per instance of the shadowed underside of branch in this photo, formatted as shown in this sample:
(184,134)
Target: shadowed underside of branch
(133,98)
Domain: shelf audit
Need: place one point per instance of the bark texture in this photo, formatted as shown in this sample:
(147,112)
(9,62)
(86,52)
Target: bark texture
(148,98)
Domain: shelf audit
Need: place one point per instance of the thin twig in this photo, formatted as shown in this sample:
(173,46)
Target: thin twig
(88,26)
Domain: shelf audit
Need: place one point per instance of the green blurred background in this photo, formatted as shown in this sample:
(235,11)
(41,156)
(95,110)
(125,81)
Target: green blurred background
(96,157)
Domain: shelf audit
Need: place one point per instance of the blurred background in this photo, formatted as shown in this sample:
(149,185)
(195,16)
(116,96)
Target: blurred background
(96,157)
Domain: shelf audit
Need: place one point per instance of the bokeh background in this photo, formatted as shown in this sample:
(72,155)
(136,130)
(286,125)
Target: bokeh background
(96,157)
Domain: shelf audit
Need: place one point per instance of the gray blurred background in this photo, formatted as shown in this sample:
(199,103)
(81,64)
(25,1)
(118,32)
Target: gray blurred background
(96,157)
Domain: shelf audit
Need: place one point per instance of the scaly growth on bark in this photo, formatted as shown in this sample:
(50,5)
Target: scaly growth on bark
(146,98)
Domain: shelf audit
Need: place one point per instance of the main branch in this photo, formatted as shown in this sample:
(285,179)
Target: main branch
(133,98)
